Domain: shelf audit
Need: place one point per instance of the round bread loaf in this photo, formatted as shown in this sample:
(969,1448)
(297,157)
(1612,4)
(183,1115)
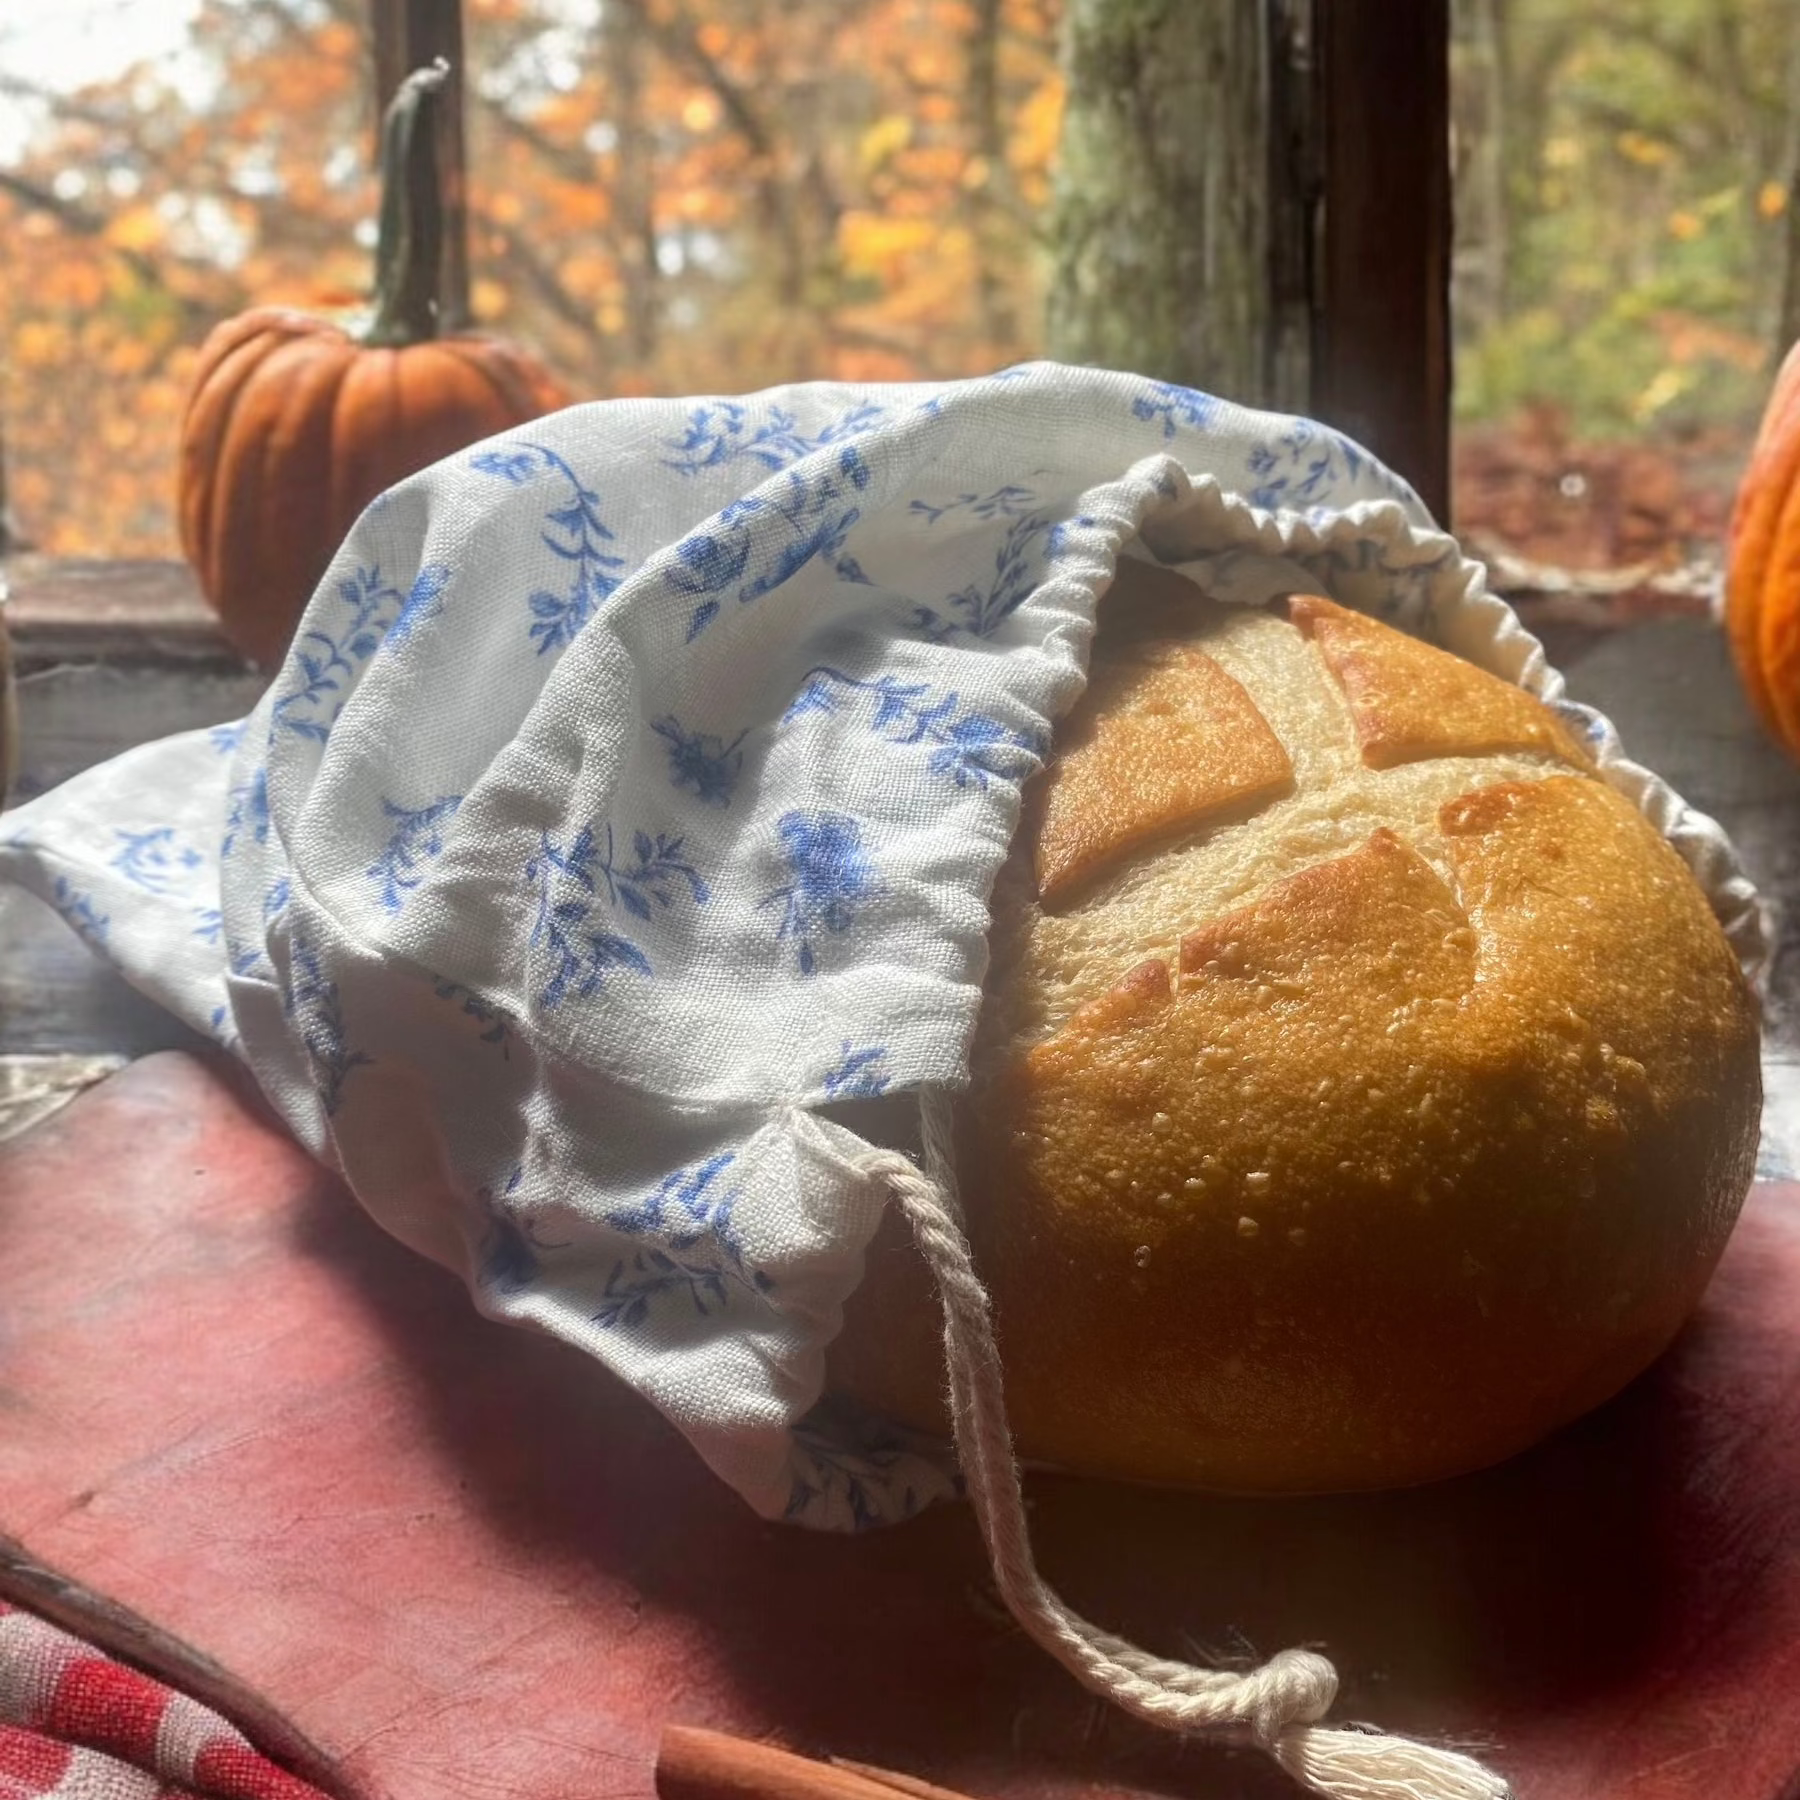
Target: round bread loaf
(1363,1088)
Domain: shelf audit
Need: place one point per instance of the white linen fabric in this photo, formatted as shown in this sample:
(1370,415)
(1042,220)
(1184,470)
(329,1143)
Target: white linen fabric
(634,789)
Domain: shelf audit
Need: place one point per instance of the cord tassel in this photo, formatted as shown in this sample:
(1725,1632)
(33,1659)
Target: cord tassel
(1282,1703)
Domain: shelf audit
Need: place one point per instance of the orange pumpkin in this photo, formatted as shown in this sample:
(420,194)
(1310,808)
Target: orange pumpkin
(294,425)
(1762,586)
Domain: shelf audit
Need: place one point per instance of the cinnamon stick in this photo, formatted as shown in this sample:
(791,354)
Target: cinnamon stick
(693,1764)
(906,1784)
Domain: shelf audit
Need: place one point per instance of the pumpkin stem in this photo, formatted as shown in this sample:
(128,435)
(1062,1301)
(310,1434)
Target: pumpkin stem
(411,237)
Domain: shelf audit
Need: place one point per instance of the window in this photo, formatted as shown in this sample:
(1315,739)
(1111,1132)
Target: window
(661,198)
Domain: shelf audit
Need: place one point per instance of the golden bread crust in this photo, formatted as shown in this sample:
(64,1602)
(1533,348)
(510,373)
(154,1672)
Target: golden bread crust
(1162,739)
(1411,700)
(1414,1152)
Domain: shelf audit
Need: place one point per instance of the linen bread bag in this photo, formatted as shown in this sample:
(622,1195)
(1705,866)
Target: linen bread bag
(630,807)
(1364,1087)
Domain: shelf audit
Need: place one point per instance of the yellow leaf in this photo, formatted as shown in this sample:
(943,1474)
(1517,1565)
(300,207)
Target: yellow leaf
(1640,147)
(874,244)
(1664,386)
(1038,125)
(1771,200)
(587,274)
(883,139)
(38,343)
(489,299)
(703,205)
(1685,225)
(137,228)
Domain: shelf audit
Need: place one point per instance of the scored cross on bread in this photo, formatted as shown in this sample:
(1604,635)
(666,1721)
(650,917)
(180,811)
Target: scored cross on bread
(1362,1089)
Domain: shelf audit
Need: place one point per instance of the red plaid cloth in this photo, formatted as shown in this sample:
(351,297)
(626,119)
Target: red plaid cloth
(75,1725)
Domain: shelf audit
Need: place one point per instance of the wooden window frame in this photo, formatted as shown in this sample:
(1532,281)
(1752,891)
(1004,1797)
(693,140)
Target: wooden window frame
(1380,351)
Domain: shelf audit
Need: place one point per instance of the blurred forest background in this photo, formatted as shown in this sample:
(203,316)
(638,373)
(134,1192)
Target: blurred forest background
(707,195)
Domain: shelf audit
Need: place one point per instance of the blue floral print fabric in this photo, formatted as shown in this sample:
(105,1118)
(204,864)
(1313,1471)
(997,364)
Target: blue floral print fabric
(633,790)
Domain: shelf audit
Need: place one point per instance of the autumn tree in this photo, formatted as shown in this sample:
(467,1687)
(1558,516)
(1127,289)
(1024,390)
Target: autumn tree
(666,196)
(1624,206)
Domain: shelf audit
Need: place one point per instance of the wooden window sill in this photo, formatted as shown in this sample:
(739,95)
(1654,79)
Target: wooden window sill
(62,610)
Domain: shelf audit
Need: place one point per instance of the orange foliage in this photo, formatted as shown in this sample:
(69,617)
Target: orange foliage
(693,196)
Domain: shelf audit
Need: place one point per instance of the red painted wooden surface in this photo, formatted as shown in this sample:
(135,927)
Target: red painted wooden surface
(245,1434)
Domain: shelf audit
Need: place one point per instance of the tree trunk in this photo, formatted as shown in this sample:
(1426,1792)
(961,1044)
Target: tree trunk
(1160,224)
(634,193)
(1380,367)
(1483,220)
(999,322)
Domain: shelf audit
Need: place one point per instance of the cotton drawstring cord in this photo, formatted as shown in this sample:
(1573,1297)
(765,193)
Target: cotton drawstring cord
(1280,1703)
